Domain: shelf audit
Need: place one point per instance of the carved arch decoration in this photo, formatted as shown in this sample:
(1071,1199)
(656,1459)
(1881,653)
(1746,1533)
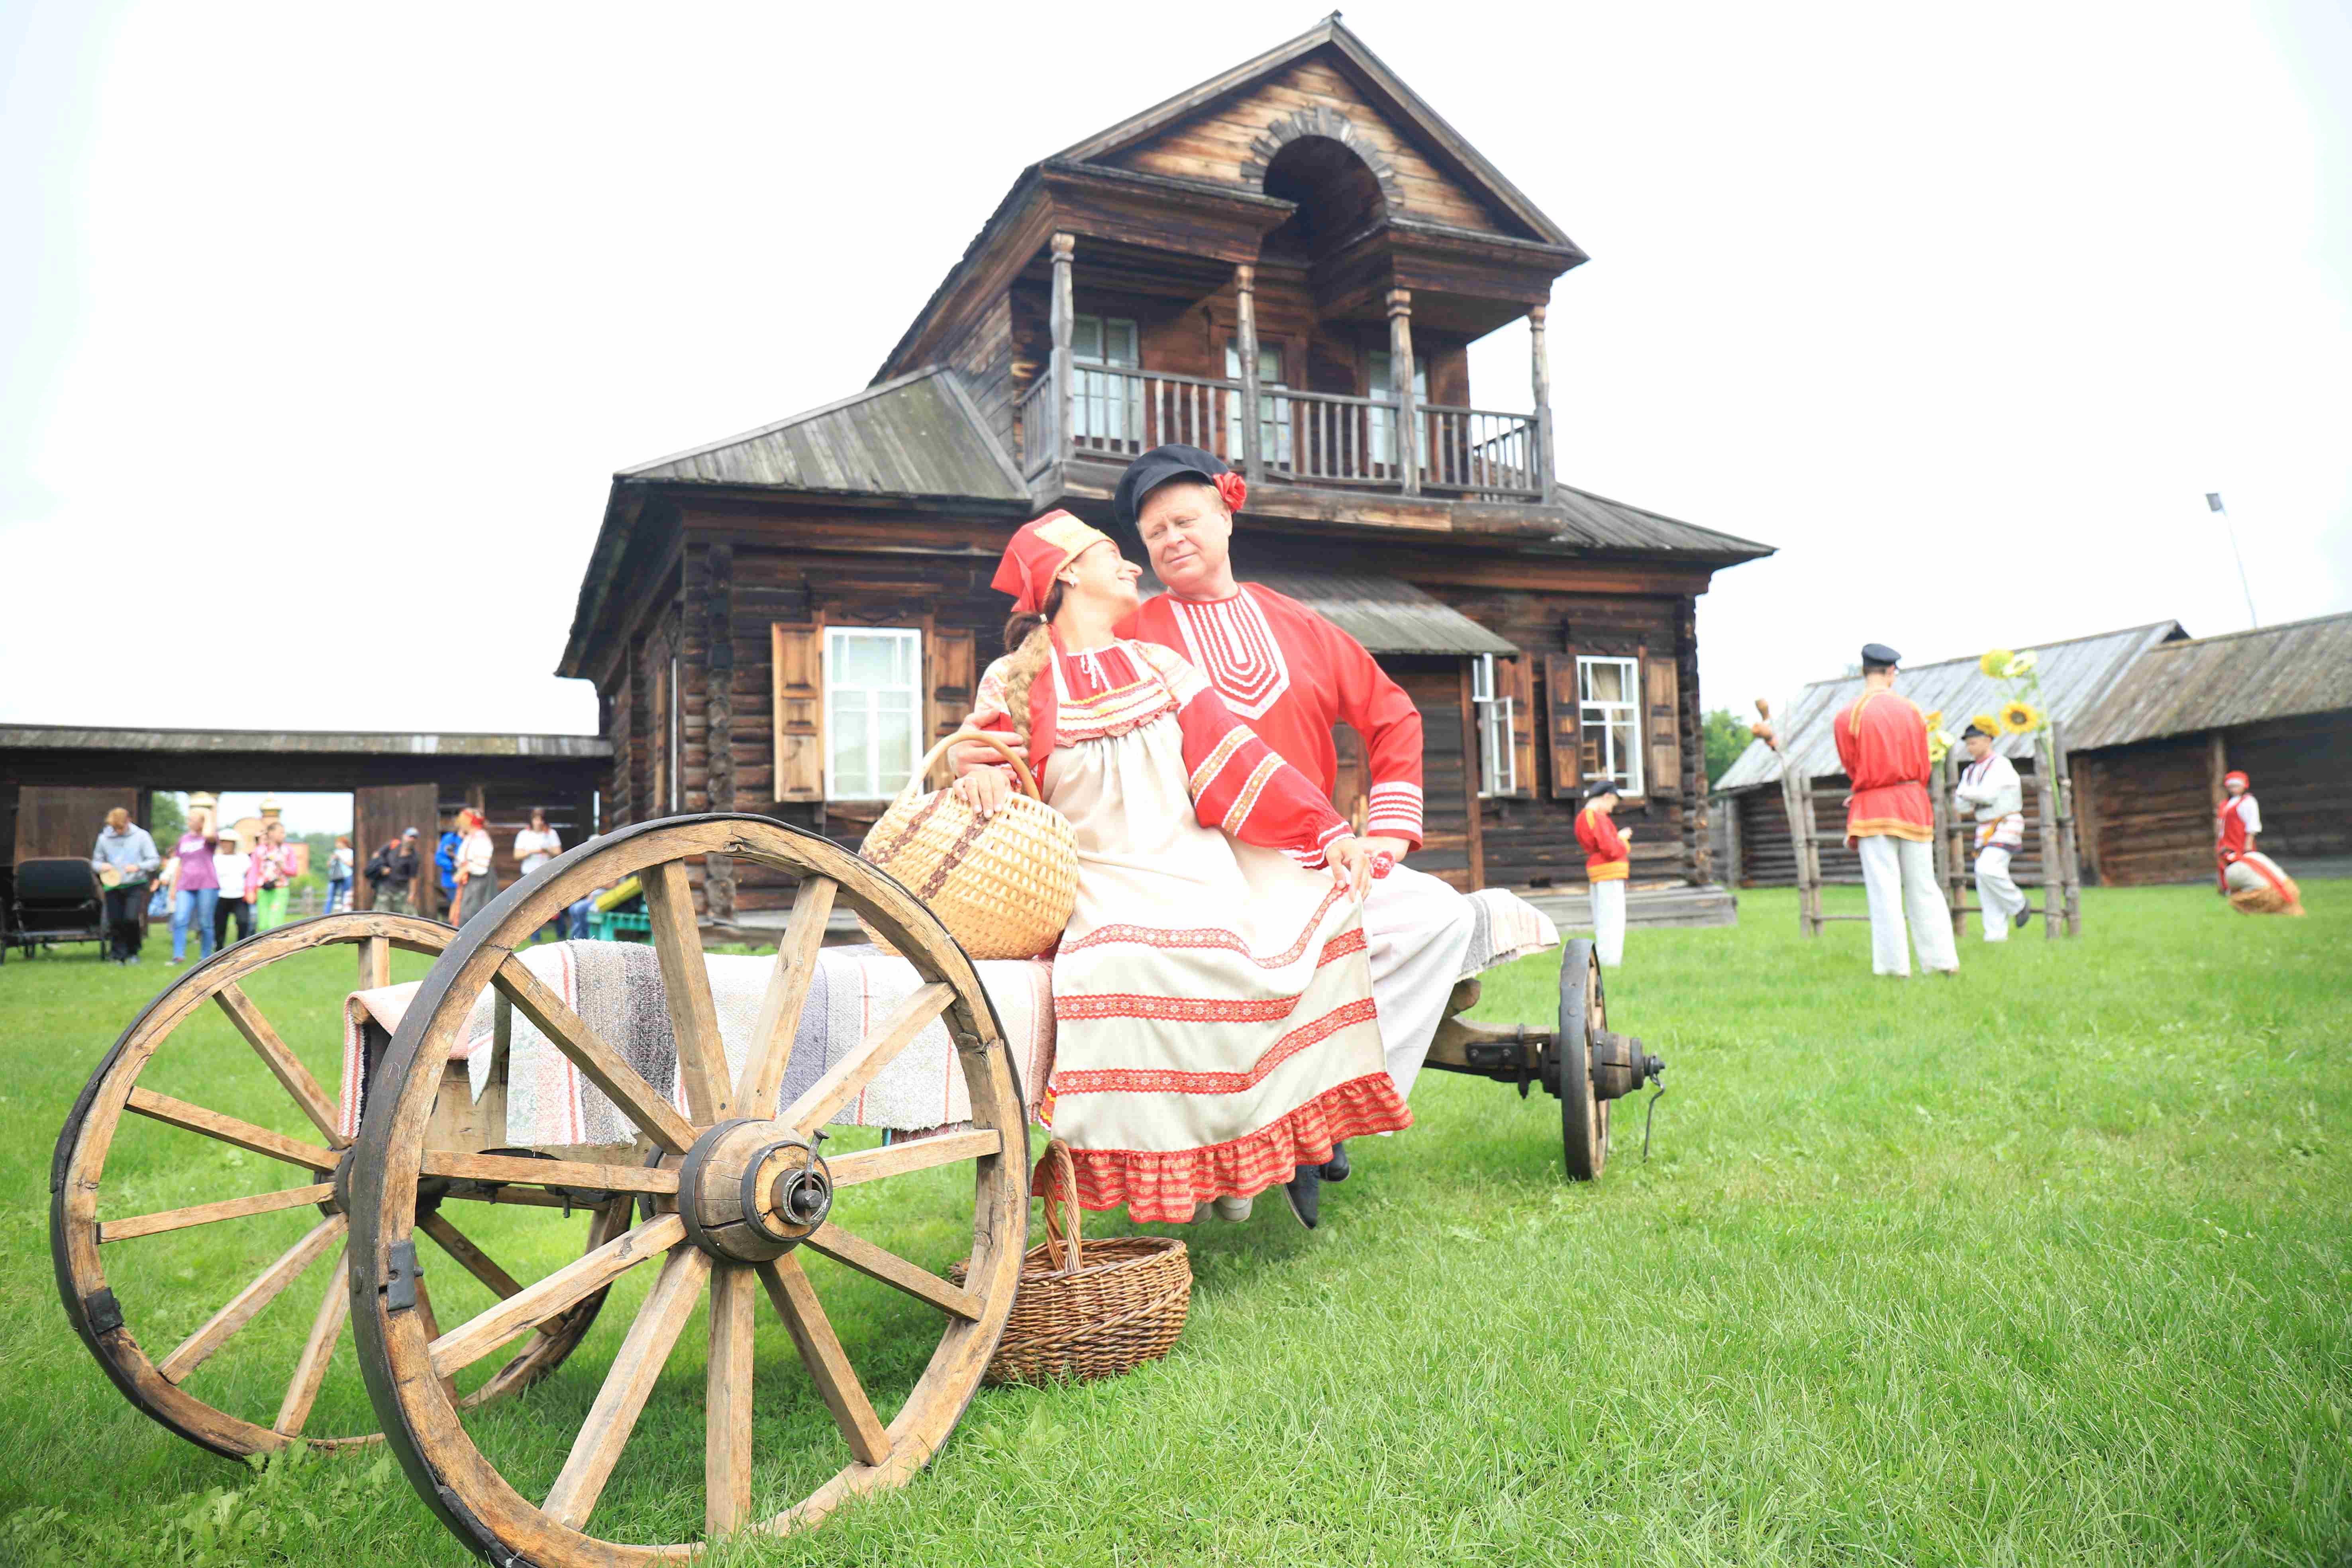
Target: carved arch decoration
(1320,121)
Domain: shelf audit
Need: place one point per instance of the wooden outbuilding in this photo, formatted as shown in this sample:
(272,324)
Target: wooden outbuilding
(2275,703)
(1285,264)
(58,781)
(1753,839)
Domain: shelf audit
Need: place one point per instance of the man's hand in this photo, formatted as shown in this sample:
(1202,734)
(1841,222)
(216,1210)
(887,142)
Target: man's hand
(1351,864)
(1626,834)
(984,790)
(1393,849)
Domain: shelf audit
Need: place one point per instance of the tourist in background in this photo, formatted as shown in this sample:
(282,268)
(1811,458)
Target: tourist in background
(273,872)
(535,845)
(238,871)
(197,889)
(339,875)
(392,875)
(124,849)
(445,866)
(476,883)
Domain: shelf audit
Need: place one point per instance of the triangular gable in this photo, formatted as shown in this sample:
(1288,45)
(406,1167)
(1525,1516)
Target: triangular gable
(1222,131)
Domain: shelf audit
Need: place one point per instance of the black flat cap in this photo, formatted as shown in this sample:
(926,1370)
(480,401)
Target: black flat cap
(1156,467)
(1606,786)
(1879,653)
(1975,730)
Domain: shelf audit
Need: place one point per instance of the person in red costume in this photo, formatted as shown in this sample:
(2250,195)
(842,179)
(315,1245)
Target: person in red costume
(1608,862)
(1213,1015)
(2236,820)
(2253,882)
(1292,676)
(1882,741)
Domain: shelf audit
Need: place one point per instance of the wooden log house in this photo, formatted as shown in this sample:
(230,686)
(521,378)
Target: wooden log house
(1285,264)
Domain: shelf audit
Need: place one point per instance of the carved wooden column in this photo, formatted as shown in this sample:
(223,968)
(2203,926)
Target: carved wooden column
(1409,453)
(1245,332)
(1064,321)
(1545,464)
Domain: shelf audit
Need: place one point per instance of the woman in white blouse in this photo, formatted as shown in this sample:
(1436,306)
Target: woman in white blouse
(535,845)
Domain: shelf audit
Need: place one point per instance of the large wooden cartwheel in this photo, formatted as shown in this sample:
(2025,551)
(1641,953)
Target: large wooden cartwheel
(735,1187)
(79,1241)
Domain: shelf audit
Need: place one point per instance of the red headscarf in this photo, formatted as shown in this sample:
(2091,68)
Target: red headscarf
(2242,778)
(1039,549)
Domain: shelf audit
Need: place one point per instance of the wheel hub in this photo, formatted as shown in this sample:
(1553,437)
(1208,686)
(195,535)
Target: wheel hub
(751,1191)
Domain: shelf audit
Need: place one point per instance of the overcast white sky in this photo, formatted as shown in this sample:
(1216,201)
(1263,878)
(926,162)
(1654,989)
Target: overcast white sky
(310,314)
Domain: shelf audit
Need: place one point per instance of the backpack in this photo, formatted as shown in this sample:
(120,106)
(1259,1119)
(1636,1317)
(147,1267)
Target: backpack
(378,864)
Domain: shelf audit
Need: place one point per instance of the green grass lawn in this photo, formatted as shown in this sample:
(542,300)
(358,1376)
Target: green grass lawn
(2050,1264)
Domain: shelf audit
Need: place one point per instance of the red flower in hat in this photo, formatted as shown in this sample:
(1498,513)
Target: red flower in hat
(1234,489)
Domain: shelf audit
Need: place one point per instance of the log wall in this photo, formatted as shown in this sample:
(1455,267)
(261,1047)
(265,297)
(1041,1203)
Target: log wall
(2149,807)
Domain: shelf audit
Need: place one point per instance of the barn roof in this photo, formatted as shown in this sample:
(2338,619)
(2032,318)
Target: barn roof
(1603,524)
(1385,615)
(2074,675)
(918,435)
(2216,682)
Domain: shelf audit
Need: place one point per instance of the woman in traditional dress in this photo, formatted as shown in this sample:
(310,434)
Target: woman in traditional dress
(2253,882)
(1214,1024)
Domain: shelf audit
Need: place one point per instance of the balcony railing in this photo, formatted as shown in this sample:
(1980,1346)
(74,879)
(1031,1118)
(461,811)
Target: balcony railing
(1307,438)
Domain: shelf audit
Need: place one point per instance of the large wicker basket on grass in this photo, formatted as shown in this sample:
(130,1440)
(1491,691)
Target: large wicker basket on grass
(1003,886)
(1089,1310)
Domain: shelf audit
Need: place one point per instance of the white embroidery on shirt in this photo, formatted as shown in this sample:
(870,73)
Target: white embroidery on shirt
(1233,644)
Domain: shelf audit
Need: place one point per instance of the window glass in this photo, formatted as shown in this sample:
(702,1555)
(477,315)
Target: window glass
(1498,761)
(874,710)
(1106,407)
(1379,370)
(1273,418)
(1610,713)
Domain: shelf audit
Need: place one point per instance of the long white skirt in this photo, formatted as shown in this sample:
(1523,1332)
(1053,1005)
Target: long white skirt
(1213,1013)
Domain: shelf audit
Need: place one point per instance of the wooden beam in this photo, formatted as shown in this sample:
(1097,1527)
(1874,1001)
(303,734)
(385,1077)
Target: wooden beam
(1246,343)
(1408,402)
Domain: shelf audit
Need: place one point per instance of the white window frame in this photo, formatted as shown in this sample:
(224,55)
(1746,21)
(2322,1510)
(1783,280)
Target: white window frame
(911,637)
(1273,420)
(1105,409)
(1380,382)
(1498,757)
(1594,713)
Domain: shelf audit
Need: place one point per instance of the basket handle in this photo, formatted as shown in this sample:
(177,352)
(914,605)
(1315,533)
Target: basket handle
(1064,1186)
(922,769)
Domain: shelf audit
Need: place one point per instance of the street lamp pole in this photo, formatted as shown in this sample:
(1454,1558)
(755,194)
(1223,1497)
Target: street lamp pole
(2213,503)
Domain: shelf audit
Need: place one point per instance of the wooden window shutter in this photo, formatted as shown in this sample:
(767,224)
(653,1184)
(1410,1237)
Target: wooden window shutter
(797,662)
(1515,678)
(1563,710)
(1663,724)
(950,657)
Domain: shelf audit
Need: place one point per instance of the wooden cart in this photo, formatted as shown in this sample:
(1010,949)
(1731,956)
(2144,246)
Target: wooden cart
(714,1201)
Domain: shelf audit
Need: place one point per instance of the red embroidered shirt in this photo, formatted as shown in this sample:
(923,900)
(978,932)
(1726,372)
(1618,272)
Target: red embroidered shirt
(1291,674)
(1882,739)
(1237,782)
(1608,857)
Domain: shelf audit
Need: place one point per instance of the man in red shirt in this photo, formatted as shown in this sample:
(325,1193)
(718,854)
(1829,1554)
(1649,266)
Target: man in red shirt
(1608,862)
(1882,740)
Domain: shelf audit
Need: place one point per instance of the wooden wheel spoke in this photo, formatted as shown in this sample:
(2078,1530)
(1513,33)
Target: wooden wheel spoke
(787,992)
(847,1077)
(375,962)
(519,1171)
(248,1303)
(843,1247)
(921,1154)
(469,1256)
(283,1064)
(534,1304)
(613,1415)
(213,1214)
(686,984)
(796,1303)
(230,1130)
(602,1065)
(310,1370)
(727,1401)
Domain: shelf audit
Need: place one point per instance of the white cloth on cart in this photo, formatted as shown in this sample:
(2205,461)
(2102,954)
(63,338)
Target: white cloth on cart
(616,987)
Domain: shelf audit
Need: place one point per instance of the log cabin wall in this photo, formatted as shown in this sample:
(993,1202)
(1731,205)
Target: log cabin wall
(2149,807)
(2301,773)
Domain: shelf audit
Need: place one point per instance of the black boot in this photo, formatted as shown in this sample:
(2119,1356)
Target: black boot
(1305,1190)
(1335,1169)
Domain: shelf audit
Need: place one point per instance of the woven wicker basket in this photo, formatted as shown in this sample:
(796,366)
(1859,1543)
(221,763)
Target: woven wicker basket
(1092,1310)
(1004,887)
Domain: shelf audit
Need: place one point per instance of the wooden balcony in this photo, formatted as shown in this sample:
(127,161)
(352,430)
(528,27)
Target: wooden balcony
(1318,438)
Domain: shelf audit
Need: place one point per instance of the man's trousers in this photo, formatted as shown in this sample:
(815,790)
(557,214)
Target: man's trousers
(1900,876)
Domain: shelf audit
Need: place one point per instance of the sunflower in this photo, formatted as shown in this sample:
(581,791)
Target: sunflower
(2019,718)
(1935,720)
(1987,722)
(2021,662)
(1937,750)
(1995,663)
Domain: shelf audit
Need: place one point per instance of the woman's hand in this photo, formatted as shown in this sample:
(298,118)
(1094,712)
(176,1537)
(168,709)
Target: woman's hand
(1350,863)
(984,790)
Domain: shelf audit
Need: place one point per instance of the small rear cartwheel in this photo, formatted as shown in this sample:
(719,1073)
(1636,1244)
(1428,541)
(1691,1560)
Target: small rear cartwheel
(1583,1116)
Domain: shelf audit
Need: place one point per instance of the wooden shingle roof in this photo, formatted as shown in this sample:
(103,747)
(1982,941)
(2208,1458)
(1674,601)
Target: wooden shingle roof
(918,435)
(2217,682)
